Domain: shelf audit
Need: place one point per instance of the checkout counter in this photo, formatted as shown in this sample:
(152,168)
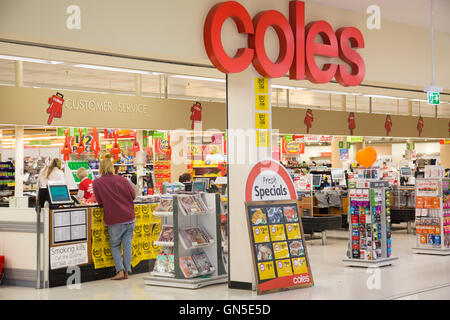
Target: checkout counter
(323,202)
(72,241)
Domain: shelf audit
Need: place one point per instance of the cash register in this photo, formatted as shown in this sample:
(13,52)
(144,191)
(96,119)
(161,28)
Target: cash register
(59,194)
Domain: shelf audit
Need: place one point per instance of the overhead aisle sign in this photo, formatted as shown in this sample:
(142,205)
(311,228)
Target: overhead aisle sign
(280,258)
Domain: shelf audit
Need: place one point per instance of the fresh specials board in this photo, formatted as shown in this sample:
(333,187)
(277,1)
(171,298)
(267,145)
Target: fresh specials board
(280,258)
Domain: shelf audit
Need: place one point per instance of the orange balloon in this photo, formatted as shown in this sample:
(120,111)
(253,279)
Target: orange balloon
(366,157)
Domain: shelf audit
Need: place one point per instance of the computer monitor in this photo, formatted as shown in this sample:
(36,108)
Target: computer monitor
(405,172)
(187,186)
(316,180)
(199,186)
(59,193)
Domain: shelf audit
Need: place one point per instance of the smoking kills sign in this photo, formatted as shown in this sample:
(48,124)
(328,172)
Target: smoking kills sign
(269,180)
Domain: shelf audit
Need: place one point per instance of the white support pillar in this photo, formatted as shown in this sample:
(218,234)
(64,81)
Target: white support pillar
(19,200)
(18,71)
(243,153)
(138,84)
(139,162)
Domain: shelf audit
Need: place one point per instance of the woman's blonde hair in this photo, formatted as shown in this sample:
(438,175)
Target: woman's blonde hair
(82,173)
(56,163)
(106,167)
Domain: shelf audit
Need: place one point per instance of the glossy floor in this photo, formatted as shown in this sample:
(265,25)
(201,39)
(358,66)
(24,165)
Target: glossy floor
(412,276)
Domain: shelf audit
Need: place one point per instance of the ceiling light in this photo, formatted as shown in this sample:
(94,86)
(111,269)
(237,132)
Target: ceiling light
(418,100)
(287,87)
(384,97)
(95,67)
(328,91)
(29,59)
(198,78)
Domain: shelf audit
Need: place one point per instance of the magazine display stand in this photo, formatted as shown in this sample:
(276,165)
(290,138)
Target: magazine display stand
(369,224)
(190,241)
(432,216)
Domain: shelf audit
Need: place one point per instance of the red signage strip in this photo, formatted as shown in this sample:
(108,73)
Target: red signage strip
(297,49)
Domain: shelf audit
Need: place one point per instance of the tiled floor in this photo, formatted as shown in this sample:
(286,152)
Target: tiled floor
(411,277)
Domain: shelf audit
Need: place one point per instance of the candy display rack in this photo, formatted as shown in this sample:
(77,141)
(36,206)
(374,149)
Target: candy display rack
(184,251)
(369,224)
(432,216)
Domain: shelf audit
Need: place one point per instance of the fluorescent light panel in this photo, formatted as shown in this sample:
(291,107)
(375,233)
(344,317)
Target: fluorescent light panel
(198,78)
(384,97)
(34,60)
(328,91)
(95,67)
(287,87)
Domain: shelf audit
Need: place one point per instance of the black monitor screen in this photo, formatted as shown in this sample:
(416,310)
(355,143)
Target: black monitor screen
(187,186)
(59,193)
(316,180)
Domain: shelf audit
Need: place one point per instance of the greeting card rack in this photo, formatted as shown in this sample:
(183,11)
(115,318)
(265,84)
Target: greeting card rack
(369,224)
(190,242)
(432,216)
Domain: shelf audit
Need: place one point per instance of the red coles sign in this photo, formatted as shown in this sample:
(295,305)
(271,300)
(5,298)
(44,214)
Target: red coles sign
(297,45)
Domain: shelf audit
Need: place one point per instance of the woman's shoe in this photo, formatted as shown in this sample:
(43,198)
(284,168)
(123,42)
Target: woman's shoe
(119,276)
(126,275)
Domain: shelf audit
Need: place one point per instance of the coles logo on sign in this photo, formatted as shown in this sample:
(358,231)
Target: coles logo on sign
(269,180)
(297,48)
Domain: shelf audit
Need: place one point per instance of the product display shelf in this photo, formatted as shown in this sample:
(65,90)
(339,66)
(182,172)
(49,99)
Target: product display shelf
(369,224)
(209,223)
(432,216)
(7,178)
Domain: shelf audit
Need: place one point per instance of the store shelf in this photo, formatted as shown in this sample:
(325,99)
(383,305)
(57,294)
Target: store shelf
(204,213)
(206,245)
(163,244)
(370,263)
(435,251)
(206,166)
(163,274)
(192,283)
(163,213)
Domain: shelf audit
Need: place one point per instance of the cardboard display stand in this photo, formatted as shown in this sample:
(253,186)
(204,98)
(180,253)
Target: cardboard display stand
(279,253)
(280,257)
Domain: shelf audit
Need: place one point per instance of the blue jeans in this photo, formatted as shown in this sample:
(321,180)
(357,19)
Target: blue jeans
(121,234)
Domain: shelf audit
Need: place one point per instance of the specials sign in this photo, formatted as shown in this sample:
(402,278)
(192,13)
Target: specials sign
(269,180)
(280,258)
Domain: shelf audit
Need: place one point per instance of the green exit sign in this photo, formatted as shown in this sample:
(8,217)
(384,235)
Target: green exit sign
(433,98)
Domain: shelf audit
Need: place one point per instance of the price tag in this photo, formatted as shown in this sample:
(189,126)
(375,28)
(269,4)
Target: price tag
(299,265)
(293,231)
(262,102)
(277,232)
(266,270)
(261,234)
(280,250)
(284,268)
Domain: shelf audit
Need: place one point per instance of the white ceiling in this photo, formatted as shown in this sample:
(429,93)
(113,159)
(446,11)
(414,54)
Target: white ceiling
(411,12)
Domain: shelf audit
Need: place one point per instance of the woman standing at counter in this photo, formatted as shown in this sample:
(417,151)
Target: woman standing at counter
(52,172)
(116,195)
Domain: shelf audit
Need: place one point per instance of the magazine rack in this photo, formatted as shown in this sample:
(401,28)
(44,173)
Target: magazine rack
(209,223)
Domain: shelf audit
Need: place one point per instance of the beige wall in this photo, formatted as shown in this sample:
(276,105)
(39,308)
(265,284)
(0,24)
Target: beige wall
(383,149)
(290,120)
(27,106)
(445,155)
(397,54)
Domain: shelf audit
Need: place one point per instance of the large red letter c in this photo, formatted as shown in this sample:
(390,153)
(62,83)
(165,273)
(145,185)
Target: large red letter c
(212,36)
